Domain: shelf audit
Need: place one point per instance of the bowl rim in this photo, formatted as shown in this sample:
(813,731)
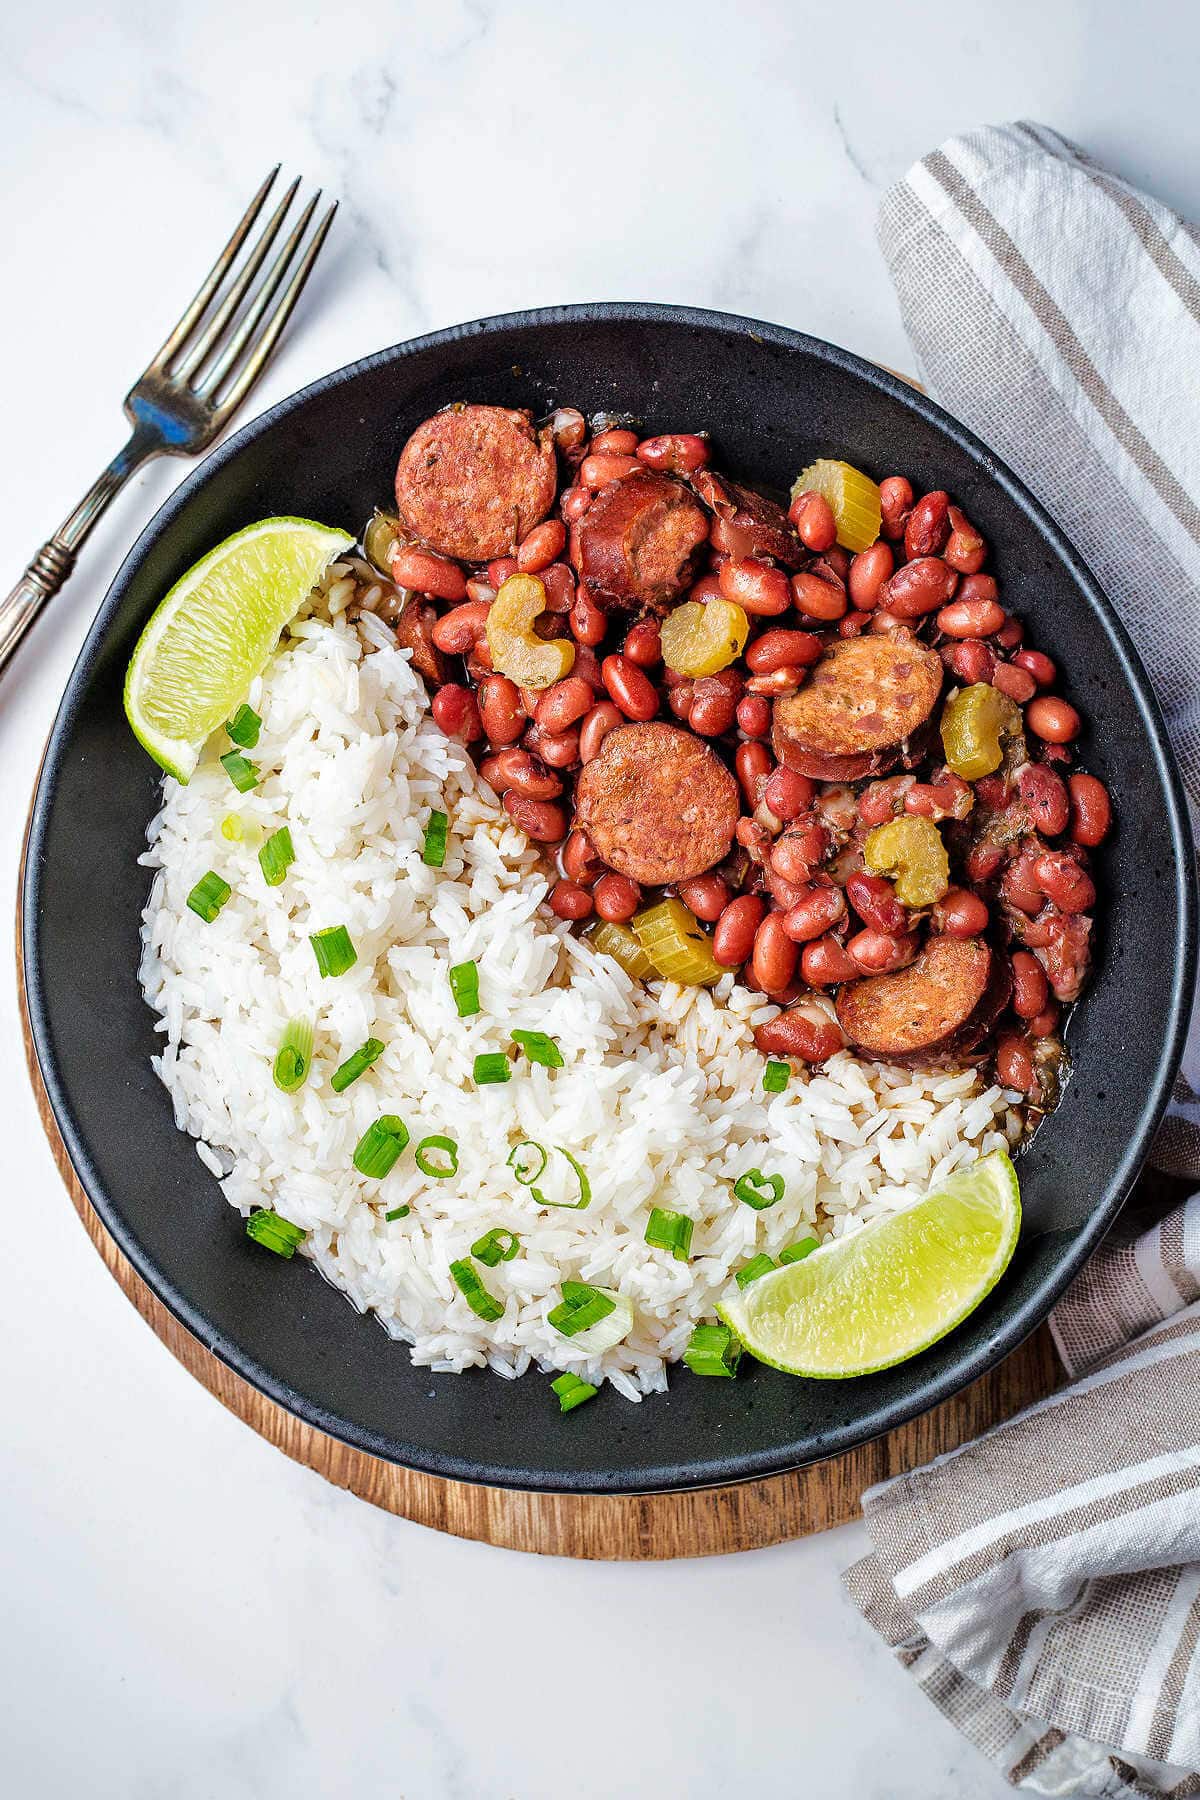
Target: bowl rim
(921,1394)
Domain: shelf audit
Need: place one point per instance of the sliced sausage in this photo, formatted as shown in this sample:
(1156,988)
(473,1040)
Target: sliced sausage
(746,523)
(639,541)
(861,704)
(657,803)
(942,1004)
(474,480)
(413,625)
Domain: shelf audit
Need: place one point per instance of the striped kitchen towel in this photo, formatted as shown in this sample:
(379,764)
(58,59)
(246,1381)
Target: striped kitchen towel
(1042,1585)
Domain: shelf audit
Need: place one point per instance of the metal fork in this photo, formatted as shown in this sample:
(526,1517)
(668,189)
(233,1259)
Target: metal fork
(191,387)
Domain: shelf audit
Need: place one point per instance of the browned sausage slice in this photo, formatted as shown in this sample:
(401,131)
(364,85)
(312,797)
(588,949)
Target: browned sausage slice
(473,480)
(748,524)
(639,540)
(865,698)
(943,1002)
(657,803)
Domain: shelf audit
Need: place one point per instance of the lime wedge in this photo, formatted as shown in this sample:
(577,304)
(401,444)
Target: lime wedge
(866,1301)
(212,635)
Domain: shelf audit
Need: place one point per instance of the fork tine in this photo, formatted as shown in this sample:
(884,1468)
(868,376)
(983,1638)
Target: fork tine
(279,318)
(216,274)
(211,336)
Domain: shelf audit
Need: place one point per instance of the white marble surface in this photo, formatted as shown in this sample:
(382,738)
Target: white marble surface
(186,1615)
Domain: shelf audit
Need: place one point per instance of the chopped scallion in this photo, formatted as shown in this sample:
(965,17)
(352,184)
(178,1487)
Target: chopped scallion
(670,1231)
(539,1048)
(713,1350)
(758,1190)
(496,1246)
(333,950)
(380,1145)
(585,1187)
(240,770)
(572,1391)
(428,1155)
(798,1252)
(762,1264)
(232,829)
(244,727)
(464,985)
(276,856)
(582,1306)
(209,896)
(527,1160)
(356,1065)
(776,1076)
(294,1055)
(482,1304)
(433,851)
(274,1233)
(398,1212)
(491,1066)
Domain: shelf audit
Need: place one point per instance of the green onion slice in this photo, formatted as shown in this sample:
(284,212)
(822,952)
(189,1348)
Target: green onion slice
(582,1306)
(797,1252)
(294,1055)
(274,1233)
(398,1212)
(464,985)
(240,770)
(429,1152)
(585,1187)
(539,1048)
(482,1304)
(776,1076)
(244,727)
(333,950)
(276,856)
(527,1161)
(496,1245)
(713,1350)
(762,1264)
(670,1231)
(232,829)
(209,896)
(491,1066)
(433,851)
(572,1391)
(356,1065)
(758,1190)
(380,1145)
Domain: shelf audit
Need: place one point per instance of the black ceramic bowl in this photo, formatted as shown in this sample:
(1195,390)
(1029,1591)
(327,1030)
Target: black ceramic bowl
(773,400)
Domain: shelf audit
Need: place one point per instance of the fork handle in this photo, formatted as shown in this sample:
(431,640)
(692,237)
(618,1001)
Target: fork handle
(56,558)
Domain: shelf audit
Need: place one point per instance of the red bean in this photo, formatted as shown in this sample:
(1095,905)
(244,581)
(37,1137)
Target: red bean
(563,703)
(946,797)
(1018,684)
(806,1031)
(733,939)
(1063,881)
(1045,798)
(875,902)
(1014,1063)
(753,763)
(879,952)
(960,913)
(559,583)
(705,895)
(678,453)
(714,703)
(455,710)
(707,588)
(965,550)
(580,863)
(541,820)
(457,631)
(595,728)
(918,587)
(544,544)
(813,518)
(826,962)
(618,440)
(1048,717)
(568,901)
(782,649)
(852,624)
(597,471)
(1030,989)
(1010,635)
(1045,1022)
(787,794)
(833,566)
(643,644)
(884,800)
(489,769)
(895,503)
(574,504)
(588,623)
(478,588)
(970,618)
(773,961)
(1091,809)
(1044,672)
(979,587)
(616,897)
(970,660)
(429,574)
(868,572)
(636,696)
(754,716)
(558,749)
(818,599)
(816,913)
(792,858)
(501,710)
(928,525)
(757,588)
(679,699)
(499,570)
(528,775)
(779,681)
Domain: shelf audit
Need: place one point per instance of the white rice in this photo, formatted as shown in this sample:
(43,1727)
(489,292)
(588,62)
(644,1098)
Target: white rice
(660,1098)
